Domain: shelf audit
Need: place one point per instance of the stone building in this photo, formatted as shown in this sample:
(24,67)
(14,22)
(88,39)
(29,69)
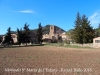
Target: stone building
(96,42)
(53,34)
(14,37)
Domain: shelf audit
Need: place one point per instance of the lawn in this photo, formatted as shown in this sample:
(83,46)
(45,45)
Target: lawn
(49,60)
(66,45)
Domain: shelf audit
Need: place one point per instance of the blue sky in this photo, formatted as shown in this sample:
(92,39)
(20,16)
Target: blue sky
(15,13)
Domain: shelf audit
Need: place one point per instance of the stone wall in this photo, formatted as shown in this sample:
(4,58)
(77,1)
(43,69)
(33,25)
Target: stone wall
(84,45)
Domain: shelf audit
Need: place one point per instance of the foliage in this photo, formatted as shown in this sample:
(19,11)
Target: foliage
(77,30)
(19,36)
(68,41)
(46,29)
(59,39)
(87,30)
(23,36)
(97,31)
(0,39)
(70,34)
(26,34)
(83,32)
(54,40)
(8,39)
(39,34)
(99,26)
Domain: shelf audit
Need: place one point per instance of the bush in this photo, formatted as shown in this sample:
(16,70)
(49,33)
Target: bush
(15,43)
(68,41)
(53,41)
(47,40)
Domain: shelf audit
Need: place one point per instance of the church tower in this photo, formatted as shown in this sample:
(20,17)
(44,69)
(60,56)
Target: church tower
(52,32)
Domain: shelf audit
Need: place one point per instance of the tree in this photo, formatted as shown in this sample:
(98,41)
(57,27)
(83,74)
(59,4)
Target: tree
(8,39)
(78,31)
(87,29)
(19,36)
(99,26)
(39,34)
(0,39)
(26,34)
(97,31)
(70,34)
(83,32)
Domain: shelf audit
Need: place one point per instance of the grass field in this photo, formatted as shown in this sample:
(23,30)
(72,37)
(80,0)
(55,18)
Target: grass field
(49,60)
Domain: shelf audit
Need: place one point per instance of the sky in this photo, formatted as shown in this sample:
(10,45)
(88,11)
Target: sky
(62,13)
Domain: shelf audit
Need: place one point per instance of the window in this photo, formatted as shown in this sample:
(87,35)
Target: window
(51,28)
(97,41)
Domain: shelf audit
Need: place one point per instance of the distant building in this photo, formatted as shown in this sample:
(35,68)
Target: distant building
(96,42)
(53,34)
(63,35)
(14,37)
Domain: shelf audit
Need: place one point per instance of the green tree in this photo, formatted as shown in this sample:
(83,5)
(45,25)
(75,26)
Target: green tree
(0,39)
(26,34)
(8,38)
(70,34)
(87,29)
(39,34)
(99,26)
(19,36)
(97,31)
(78,31)
(83,32)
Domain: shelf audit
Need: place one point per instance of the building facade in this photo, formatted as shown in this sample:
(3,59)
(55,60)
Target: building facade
(14,37)
(54,35)
(96,42)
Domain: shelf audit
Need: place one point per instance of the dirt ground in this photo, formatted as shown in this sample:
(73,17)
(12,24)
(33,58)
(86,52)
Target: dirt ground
(48,60)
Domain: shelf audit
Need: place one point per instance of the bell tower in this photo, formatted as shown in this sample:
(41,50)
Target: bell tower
(52,31)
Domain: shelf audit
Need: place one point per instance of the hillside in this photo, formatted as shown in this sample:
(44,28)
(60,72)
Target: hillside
(46,29)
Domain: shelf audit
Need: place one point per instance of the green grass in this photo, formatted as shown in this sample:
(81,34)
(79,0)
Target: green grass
(67,45)
(75,46)
(52,44)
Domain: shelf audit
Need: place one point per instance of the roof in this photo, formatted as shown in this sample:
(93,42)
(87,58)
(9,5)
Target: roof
(97,38)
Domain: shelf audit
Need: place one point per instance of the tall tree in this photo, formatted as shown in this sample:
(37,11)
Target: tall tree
(26,33)
(97,31)
(99,25)
(87,29)
(39,34)
(70,34)
(83,32)
(0,39)
(8,39)
(19,36)
(78,31)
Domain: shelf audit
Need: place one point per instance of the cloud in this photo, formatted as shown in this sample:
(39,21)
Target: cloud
(26,11)
(95,19)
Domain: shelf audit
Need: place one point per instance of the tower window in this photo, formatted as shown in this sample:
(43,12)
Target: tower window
(51,28)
